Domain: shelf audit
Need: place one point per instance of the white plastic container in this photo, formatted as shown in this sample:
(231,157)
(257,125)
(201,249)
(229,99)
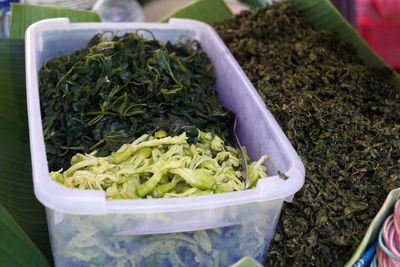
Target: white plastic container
(212,230)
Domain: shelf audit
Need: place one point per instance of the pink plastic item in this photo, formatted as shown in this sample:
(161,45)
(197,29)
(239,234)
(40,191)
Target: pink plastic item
(378,23)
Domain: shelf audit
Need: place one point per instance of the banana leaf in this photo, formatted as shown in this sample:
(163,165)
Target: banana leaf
(16,248)
(208,11)
(16,190)
(23,15)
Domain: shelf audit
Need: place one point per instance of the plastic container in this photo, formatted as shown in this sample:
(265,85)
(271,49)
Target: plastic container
(212,230)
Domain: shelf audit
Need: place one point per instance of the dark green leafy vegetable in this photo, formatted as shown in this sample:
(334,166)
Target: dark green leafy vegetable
(112,92)
(342,118)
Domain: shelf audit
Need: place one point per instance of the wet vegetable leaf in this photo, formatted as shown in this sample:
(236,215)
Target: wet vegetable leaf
(111,93)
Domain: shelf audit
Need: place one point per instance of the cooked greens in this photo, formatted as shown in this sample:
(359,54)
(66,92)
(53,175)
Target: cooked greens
(162,167)
(114,91)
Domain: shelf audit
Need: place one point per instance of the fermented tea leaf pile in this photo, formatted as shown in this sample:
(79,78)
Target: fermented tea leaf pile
(341,117)
(114,91)
(162,166)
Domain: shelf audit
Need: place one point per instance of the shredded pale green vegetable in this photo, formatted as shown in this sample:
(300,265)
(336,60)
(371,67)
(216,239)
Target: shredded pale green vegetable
(158,166)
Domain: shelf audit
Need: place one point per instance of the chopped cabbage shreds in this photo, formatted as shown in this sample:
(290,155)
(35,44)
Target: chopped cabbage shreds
(162,167)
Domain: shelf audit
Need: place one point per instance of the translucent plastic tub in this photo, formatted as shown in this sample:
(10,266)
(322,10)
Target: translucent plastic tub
(211,230)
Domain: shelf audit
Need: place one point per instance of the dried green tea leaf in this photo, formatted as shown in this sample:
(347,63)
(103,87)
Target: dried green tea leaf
(342,118)
(282,175)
